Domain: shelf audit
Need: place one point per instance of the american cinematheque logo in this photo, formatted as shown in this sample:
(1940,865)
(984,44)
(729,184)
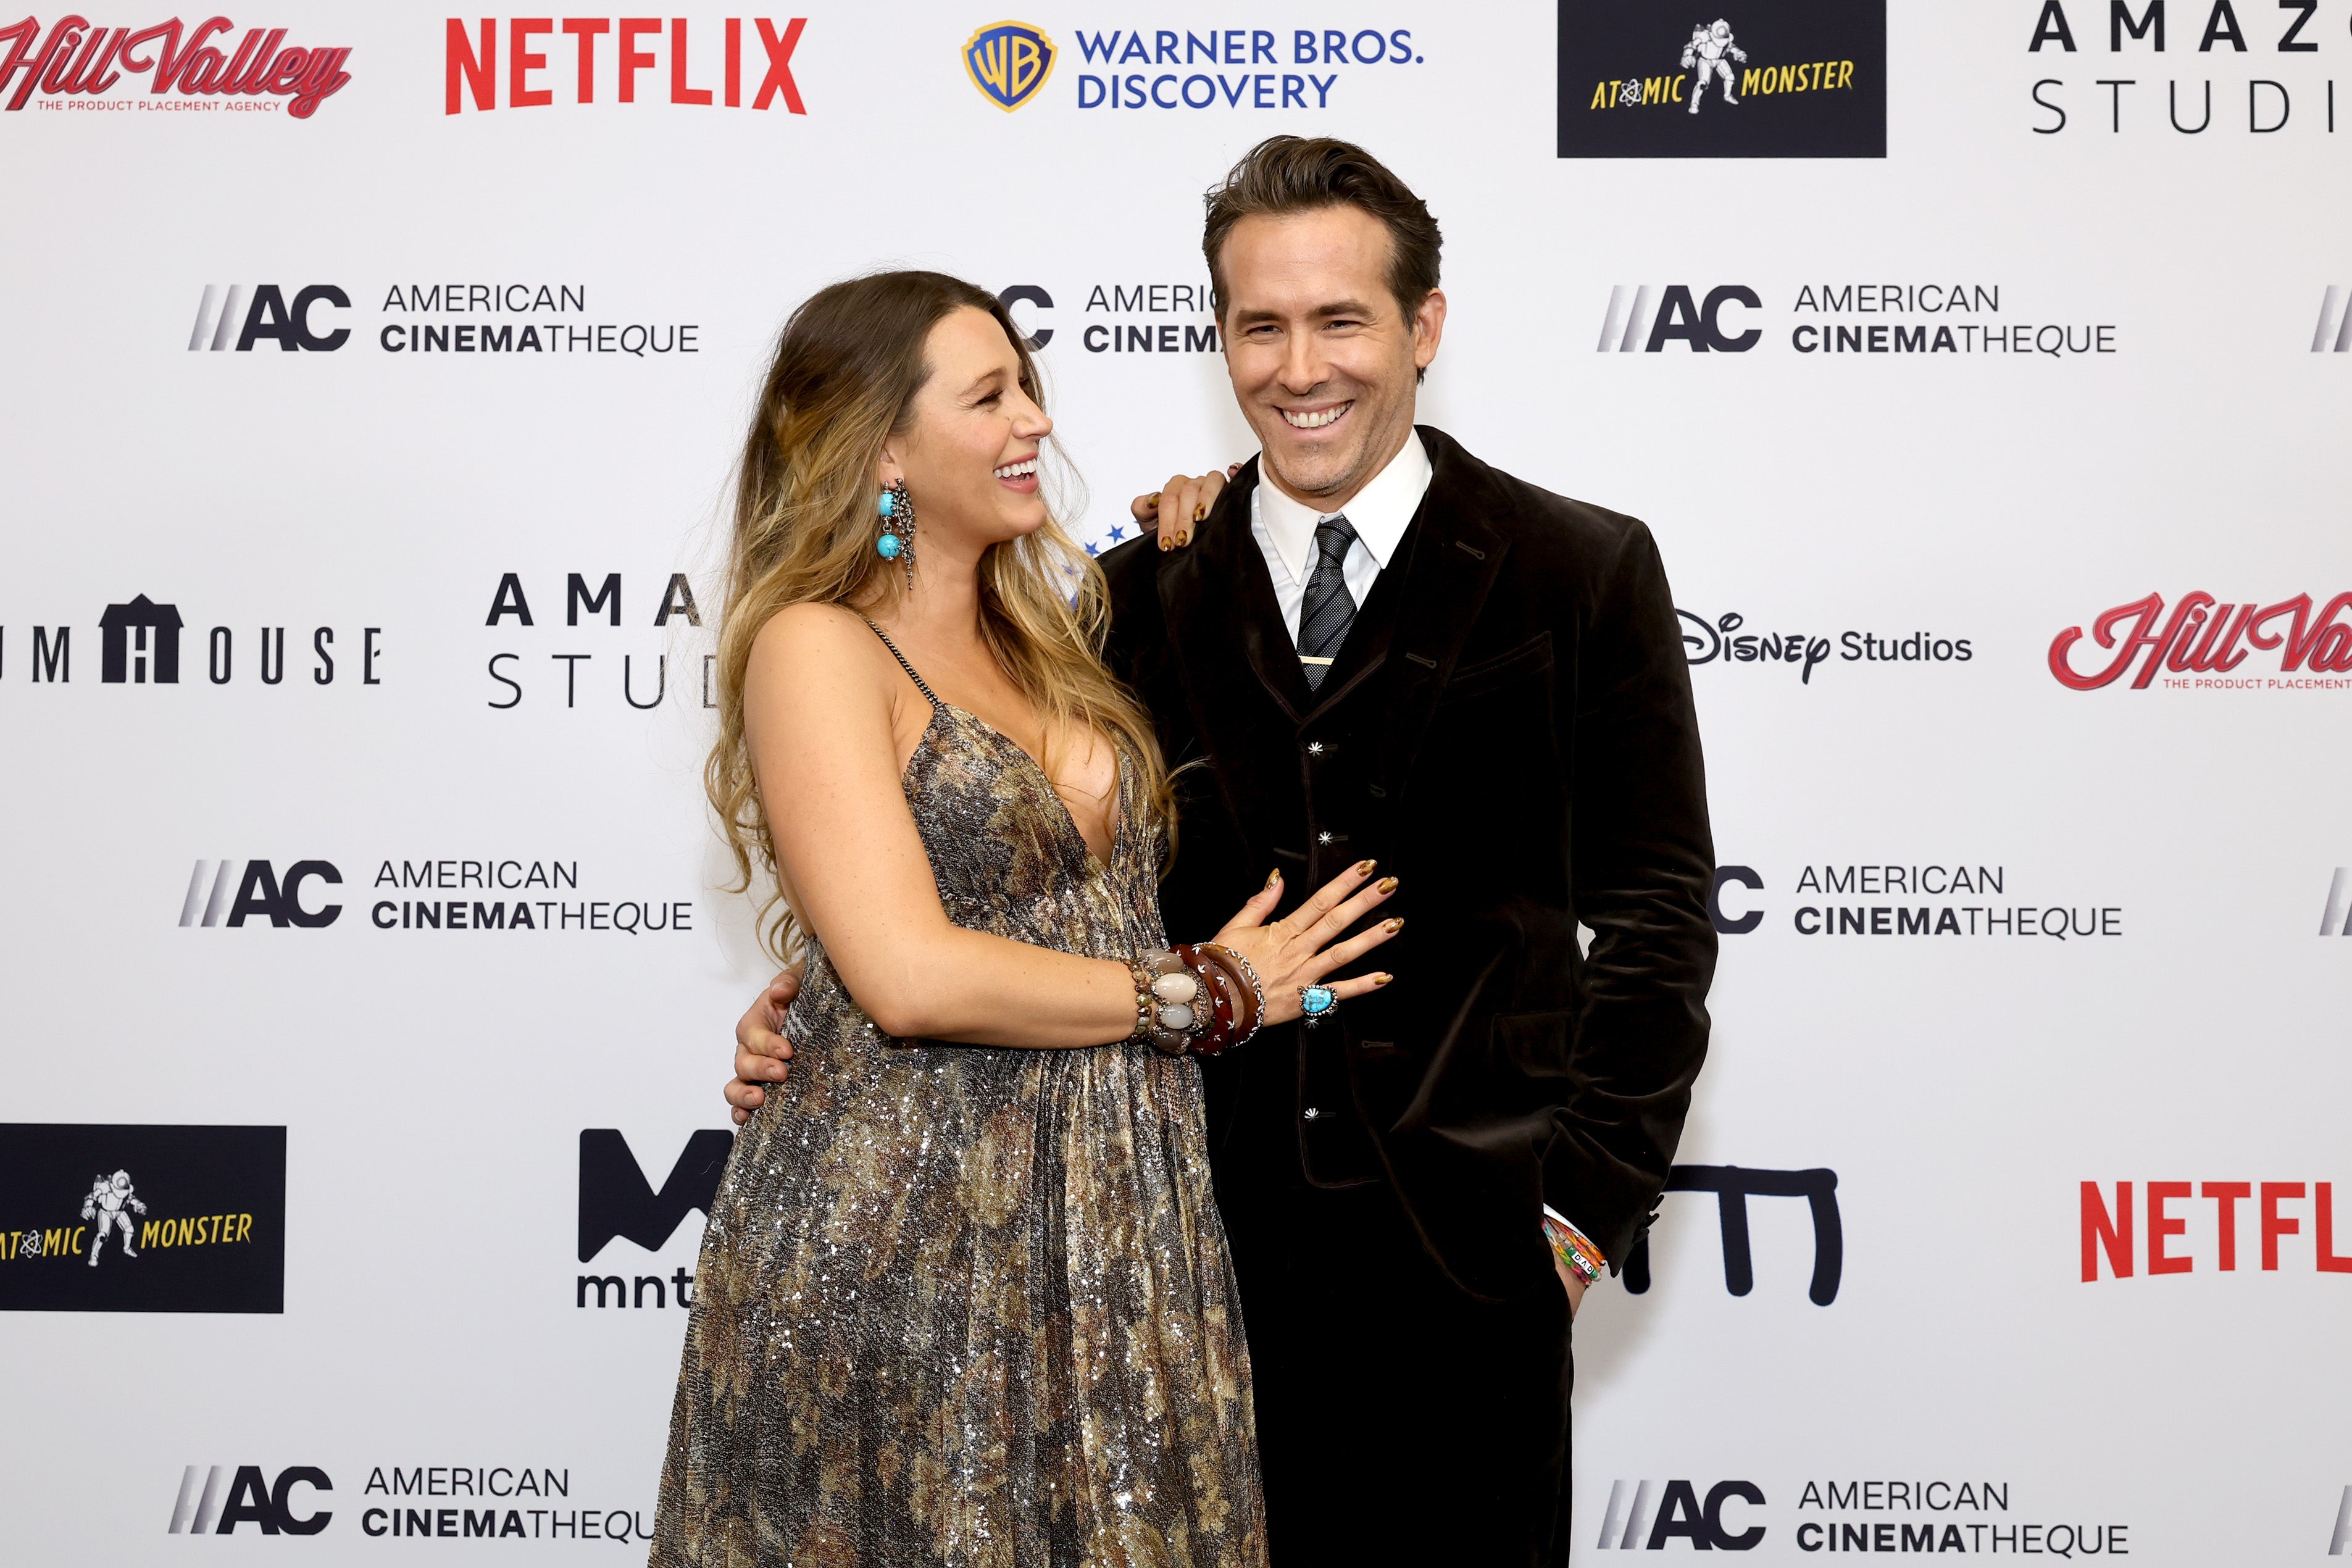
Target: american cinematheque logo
(1640,81)
(97,1219)
(77,65)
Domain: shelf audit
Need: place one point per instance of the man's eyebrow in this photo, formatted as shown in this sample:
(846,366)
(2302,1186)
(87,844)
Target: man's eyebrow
(1336,308)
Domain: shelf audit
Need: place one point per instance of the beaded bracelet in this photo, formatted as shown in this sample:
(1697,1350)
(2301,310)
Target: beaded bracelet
(1143,1004)
(1573,1250)
(1170,1010)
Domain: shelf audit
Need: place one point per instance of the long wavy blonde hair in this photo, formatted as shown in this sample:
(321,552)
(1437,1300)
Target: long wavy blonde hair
(843,382)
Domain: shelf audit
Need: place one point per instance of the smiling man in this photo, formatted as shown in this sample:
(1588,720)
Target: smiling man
(1384,649)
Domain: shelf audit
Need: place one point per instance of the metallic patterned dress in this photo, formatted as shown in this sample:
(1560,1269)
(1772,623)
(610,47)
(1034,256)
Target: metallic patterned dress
(966,1305)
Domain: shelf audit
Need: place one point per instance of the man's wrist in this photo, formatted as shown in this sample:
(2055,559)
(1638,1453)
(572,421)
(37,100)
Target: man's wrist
(1572,1248)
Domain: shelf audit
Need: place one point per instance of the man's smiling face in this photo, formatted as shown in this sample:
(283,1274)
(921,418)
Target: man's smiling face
(1323,359)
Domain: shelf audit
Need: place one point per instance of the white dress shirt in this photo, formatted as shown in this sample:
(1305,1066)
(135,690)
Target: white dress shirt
(1285,530)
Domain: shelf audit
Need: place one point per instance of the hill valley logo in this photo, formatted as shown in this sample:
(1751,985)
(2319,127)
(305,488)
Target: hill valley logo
(76,66)
(98,1218)
(1807,82)
(1009,62)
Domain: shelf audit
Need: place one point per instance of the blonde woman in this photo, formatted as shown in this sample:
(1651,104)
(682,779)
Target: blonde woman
(964,1296)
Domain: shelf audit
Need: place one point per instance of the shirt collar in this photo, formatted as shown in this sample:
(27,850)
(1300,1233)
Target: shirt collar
(1379,513)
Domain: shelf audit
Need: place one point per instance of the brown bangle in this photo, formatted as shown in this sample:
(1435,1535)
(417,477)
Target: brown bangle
(1249,997)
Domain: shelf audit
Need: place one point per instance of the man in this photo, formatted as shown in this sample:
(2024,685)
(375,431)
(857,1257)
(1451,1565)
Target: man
(1385,649)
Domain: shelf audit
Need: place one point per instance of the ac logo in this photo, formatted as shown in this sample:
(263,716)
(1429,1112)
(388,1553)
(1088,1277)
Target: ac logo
(259,891)
(2335,330)
(1699,325)
(2336,919)
(1630,1525)
(268,317)
(250,1500)
(1009,62)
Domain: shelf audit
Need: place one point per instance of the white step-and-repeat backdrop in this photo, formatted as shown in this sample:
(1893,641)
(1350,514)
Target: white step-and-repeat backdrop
(367,398)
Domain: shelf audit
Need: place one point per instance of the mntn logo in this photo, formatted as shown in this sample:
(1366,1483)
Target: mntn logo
(251,1500)
(1009,62)
(616,1200)
(1679,1514)
(270,316)
(1699,324)
(260,891)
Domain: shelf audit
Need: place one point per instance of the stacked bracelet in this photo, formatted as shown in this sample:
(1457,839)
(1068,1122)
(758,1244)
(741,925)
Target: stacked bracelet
(1246,987)
(1174,1004)
(1195,1000)
(1575,1254)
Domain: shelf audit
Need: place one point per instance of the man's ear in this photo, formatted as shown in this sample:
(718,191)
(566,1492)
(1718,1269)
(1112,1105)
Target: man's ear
(1428,328)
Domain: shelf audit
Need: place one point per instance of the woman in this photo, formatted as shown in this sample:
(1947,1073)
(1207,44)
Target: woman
(957,1304)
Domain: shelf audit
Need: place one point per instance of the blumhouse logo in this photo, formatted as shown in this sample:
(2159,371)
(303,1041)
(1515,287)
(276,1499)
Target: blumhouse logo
(2335,330)
(2336,919)
(219,325)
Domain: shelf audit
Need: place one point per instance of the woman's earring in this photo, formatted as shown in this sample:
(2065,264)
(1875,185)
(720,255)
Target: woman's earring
(897,538)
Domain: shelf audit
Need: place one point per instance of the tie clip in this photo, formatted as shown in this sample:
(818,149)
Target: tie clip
(1311,659)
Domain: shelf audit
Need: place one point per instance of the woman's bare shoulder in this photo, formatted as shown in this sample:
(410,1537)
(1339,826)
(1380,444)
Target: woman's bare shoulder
(815,640)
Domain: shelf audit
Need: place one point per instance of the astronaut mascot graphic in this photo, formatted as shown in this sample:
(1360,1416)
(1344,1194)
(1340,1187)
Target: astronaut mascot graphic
(109,1201)
(1707,50)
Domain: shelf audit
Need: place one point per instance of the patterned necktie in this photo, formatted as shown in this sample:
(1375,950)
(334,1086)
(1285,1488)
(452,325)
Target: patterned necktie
(1329,609)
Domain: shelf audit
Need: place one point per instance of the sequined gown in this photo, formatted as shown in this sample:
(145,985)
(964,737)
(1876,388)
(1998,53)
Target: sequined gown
(963,1305)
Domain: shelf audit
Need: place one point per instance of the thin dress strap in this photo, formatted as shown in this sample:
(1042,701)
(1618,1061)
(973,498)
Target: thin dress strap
(919,684)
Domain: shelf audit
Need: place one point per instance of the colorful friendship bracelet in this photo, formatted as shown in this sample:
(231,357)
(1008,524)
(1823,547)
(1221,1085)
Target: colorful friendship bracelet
(1576,1254)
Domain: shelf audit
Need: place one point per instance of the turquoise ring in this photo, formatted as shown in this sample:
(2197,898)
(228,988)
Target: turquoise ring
(1317,1002)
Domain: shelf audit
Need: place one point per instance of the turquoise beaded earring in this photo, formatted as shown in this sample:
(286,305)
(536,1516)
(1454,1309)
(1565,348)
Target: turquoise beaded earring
(896,541)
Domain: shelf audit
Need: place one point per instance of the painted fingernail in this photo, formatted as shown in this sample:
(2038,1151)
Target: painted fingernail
(1184,536)
(1152,500)
(1394,926)
(1273,878)
(1388,885)
(1165,547)
(1382,979)
(1364,868)
(1200,511)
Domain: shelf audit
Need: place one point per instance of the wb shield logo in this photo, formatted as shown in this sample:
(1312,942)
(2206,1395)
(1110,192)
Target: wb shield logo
(1009,61)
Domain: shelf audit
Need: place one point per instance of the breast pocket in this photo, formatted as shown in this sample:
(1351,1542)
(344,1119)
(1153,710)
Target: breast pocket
(1522,663)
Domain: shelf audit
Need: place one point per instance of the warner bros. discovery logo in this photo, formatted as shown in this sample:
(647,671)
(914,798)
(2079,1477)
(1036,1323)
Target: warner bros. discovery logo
(1010,62)
(1732,1185)
(616,1200)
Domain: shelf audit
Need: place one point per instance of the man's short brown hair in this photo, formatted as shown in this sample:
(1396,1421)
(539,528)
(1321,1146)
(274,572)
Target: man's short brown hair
(1299,174)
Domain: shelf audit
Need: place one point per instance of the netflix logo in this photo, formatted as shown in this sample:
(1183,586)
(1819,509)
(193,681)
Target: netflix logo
(614,52)
(2278,1213)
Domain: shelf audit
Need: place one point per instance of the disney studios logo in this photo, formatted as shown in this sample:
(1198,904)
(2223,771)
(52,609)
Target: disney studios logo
(1009,62)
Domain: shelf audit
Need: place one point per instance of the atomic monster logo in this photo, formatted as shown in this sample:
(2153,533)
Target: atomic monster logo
(111,1203)
(1707,50)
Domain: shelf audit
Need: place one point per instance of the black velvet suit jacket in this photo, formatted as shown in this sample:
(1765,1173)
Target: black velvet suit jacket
(1508,729)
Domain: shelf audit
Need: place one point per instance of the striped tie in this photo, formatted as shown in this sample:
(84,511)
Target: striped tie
(1330,609)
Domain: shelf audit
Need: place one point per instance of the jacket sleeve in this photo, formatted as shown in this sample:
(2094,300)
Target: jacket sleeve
(1643,860)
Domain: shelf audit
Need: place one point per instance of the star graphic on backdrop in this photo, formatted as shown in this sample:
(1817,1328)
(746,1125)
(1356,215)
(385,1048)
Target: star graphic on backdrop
(1117,533)
(1093,550)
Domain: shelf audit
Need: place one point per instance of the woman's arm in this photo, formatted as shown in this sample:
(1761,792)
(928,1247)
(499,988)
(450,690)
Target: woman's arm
(817,711)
